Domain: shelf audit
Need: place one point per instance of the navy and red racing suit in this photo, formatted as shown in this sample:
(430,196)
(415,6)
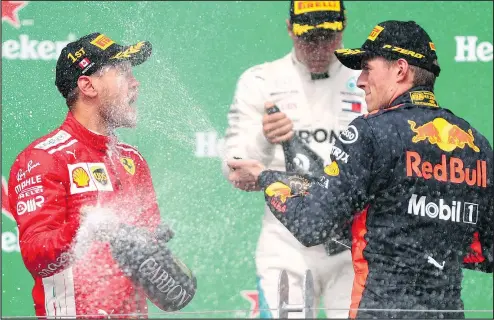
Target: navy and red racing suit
(418,184)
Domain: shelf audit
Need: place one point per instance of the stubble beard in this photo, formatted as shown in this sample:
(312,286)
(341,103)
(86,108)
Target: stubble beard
(119,115)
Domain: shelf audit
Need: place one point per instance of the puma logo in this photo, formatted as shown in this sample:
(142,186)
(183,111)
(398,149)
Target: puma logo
(435,263)
(104,313)
(72,153)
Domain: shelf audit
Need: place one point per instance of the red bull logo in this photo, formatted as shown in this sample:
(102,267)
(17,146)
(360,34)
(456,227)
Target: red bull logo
(279,193)
(449,170)
(279,190)
(278,205)
(445,135)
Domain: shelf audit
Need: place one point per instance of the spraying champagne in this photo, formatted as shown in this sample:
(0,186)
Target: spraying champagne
(301,159)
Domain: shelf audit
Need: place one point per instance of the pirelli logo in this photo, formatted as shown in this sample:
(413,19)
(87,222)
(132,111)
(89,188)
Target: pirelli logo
(375,32)
(347,52)
(102,42)
(403,51)
(301,7)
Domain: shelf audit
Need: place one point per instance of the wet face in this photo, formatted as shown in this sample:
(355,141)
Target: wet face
(317,51)
(117,92)
(377,79)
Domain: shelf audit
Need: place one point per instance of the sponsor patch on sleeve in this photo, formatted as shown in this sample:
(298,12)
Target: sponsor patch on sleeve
(60,137)
(350,135)
(332,169)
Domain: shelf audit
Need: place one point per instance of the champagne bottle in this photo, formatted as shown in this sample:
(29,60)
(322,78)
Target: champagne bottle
(299,158)
(147,261)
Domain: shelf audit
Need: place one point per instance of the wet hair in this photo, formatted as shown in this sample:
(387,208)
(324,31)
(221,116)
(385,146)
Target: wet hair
(421,77)
(316,35)
(72,97)
(74,93)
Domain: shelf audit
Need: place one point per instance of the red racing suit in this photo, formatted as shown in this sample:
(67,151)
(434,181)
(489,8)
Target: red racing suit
(50,182)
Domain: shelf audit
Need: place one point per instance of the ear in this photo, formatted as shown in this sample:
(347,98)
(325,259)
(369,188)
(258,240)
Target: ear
(86,87)
(402,69)
(289,28)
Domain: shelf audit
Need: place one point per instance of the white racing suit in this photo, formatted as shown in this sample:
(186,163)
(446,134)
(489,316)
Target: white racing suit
(319,109)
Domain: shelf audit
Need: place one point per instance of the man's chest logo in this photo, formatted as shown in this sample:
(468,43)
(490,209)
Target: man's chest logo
(100,175)
(129,165)
(85,177)
(80,177)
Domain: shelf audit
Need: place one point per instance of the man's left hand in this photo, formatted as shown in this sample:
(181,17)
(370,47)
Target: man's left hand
(244,174)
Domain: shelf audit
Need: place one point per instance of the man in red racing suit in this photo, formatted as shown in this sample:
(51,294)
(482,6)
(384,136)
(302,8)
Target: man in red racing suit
(50,182)
(82,168)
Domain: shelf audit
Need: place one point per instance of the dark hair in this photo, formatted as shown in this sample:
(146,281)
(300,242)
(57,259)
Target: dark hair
(74,93)
(72,97)
(421,77)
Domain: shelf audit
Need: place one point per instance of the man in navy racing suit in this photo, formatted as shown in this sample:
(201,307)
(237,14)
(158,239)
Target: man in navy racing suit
(318,98)
(418,184)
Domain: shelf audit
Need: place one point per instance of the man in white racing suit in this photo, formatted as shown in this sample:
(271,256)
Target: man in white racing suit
(318,98)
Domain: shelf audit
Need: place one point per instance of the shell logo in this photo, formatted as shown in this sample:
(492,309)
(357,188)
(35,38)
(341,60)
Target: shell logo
(80,177)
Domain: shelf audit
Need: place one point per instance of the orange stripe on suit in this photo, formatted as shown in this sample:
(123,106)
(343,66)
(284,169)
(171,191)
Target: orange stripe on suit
(360,265)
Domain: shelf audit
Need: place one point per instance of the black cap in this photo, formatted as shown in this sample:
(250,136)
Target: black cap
(88,54)
(394,40)
(307,17)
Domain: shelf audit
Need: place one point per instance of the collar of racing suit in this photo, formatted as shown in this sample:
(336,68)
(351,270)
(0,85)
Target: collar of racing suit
(408,97)
(91,139)
(302,69)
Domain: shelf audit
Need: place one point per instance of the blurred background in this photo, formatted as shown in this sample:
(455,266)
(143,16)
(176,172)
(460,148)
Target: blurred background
(199,51)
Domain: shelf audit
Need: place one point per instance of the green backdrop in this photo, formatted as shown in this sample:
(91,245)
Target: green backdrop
(200,49)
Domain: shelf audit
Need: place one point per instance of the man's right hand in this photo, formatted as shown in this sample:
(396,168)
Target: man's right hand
(277,127)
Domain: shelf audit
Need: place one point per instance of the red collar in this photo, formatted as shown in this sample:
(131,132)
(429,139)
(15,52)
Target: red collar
(82,134)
